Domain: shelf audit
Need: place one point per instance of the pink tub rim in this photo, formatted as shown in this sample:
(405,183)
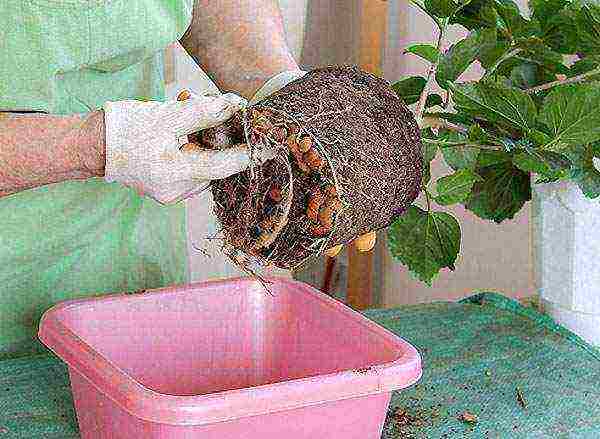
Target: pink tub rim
(153,406)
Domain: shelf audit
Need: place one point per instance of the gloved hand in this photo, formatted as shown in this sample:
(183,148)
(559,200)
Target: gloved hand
(363,243)
(143,142)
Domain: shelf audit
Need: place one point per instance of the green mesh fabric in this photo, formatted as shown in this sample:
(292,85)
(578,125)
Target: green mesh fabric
(83,238)
(476,354)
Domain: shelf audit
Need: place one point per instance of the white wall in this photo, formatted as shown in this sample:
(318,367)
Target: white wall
(493,257)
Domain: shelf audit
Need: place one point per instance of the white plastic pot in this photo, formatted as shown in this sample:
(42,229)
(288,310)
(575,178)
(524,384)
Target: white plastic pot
(566,237)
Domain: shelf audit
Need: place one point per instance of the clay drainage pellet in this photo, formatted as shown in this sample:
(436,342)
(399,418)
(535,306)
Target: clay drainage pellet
(347,160)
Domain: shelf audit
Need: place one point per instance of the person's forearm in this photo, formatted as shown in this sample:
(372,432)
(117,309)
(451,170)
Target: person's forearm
(240,44)
(40,149)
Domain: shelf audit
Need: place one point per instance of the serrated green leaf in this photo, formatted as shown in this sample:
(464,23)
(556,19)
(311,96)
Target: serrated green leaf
(491,48)
(441,8)
(500,14)
(455,188)
(460,156)
(545,163)
(433,99)
(535,51)
(524,76)
(429,152)
(479,136)
(583,171)
(516,24)
(456,152)
(502,193)
(476,15)
(497,103)
(575,29)
(572,115)
(544,10)
(460,56)
(425,242)
(425,51)
(409,89)
(491,158)
(527,163)
(538,138)
(560,32)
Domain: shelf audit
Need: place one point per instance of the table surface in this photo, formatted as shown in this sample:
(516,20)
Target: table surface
(514,369)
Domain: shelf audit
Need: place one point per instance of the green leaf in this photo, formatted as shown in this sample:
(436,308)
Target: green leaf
(575,29)
(456,152)
(515,23)
(524,75)
(583,171)
(433,100)
(425,242)
(544,10)
(480,136)
(490,158)
(552,177)
(429,152)
(460,56)
(497,103)
(441,8)
(425,51)
(528,163)
(572,114)
(460,156)
(409,89)
(548,165)
(503,15)
(560,32)
(457,118)
(491,48)
(455,188)
(584,65)
(538,138)
(502,193)
(477,14)
(535,51)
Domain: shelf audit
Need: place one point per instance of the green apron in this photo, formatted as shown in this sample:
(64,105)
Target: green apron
(82,238)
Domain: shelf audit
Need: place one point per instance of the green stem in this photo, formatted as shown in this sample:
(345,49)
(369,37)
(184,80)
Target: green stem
(431,73)
(469,144)
(427,197)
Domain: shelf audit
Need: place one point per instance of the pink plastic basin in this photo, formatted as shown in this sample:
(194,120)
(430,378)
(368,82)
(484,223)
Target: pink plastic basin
(225,360)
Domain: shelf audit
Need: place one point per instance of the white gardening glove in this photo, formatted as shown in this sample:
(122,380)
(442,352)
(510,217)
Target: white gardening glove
(143,141)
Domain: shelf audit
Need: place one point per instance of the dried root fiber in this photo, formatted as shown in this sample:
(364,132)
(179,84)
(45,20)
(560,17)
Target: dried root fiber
(347,161)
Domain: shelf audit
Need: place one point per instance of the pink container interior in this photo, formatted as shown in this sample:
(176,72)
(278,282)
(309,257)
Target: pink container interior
(226,338)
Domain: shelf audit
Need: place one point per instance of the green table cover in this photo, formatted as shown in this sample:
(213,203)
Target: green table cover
(476,354)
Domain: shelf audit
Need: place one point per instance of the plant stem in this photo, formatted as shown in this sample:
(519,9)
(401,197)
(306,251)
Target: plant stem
(469,144)
(436,122)
(573,80)
(427,197)
(431,73)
